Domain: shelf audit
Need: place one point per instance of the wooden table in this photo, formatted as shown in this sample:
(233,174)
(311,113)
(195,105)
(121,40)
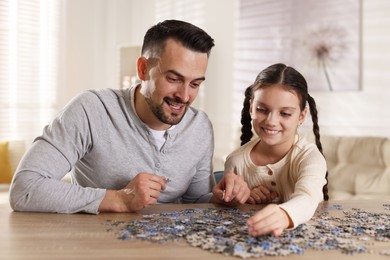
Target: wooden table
(26,235)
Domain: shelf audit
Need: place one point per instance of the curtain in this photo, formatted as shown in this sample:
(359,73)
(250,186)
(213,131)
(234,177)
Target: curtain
(29,39)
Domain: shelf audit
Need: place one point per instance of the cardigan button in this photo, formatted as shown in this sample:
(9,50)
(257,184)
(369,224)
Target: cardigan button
(270,172)
(273,183)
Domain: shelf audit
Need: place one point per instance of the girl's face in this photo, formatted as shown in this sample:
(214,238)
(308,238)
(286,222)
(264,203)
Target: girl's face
(276,115)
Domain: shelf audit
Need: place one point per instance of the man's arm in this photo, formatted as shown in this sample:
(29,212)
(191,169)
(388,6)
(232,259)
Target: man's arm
(37,184)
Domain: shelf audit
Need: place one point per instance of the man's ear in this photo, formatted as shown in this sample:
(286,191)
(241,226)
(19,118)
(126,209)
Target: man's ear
(142,68)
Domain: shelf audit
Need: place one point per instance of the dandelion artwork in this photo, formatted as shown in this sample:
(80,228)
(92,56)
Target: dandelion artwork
(326,45)
(321,39)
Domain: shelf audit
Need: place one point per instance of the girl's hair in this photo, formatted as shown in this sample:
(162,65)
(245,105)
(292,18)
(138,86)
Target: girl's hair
(293,80)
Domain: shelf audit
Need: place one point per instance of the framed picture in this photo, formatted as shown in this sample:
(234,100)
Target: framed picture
(321,39)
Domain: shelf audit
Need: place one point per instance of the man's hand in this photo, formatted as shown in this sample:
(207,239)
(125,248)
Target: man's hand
(143,190)
(262,194)
(231,190)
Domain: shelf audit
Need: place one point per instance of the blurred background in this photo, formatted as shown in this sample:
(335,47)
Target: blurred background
(51,50)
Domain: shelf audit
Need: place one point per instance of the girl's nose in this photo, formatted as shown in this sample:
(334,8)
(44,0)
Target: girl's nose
(271,119)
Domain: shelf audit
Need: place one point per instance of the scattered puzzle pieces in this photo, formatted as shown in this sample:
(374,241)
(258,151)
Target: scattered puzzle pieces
(224,231)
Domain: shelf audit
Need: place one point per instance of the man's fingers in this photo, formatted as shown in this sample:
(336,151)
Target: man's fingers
(161,180)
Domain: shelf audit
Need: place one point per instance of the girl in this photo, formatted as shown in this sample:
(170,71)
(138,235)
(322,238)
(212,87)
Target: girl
(279,166)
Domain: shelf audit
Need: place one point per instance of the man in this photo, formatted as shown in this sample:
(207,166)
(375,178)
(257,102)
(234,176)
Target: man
(130,148)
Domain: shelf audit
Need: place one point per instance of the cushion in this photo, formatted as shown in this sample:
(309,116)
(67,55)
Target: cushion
(358,166)
(6,171)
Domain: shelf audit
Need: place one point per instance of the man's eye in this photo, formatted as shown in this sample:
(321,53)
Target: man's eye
(170,79)
(195,85)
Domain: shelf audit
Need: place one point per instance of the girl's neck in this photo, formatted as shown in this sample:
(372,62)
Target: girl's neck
(263,154)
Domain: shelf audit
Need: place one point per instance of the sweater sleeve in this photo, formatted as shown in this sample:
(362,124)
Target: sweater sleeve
(310,169)
(37,184)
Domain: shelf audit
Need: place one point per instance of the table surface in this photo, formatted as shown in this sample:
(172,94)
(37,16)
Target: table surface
(26,235)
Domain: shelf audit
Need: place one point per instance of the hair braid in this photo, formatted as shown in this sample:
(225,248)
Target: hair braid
(246,129)
(316,131)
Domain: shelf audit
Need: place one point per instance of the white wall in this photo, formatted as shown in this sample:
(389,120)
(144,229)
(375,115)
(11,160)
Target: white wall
(91,34)
(96,28)
(81,49)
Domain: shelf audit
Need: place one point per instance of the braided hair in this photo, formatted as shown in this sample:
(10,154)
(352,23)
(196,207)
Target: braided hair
(287,76)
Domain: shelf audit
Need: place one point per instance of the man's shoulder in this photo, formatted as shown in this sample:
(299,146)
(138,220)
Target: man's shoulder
(104,93)
(96,96)
(197,116)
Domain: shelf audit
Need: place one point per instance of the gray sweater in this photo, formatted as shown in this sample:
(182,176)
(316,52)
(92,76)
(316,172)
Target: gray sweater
(101,140)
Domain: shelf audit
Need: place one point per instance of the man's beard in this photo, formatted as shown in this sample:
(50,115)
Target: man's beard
(158,111)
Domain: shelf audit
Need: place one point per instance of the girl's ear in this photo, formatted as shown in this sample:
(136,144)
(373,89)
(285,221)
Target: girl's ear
(142,68)
(302,116)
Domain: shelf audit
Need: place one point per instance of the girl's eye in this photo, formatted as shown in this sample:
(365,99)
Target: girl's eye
(284,114)
(261,109)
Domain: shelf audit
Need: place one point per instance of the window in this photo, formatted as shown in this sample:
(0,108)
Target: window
(28,66)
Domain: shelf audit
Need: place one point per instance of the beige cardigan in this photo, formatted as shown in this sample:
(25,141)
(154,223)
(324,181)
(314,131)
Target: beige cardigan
(298,178)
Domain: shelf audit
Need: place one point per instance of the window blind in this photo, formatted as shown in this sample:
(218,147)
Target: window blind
(28,66)
(187,10)
(191,11)
(263,39)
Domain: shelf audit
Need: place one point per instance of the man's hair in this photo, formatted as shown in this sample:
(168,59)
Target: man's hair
(189,35)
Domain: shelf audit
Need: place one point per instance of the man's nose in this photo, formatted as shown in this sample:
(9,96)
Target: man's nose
(183,93)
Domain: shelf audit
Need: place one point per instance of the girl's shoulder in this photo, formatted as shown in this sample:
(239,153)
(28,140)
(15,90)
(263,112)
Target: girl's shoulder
(304,149)
(242,150)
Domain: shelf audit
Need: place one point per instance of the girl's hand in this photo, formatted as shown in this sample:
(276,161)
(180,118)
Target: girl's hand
(270,219)
(231,190)
(261,194)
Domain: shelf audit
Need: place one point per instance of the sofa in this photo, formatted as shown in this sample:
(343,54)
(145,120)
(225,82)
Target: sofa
(11,151)
(358,167)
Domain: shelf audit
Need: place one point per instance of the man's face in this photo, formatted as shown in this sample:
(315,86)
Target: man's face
(173,83)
